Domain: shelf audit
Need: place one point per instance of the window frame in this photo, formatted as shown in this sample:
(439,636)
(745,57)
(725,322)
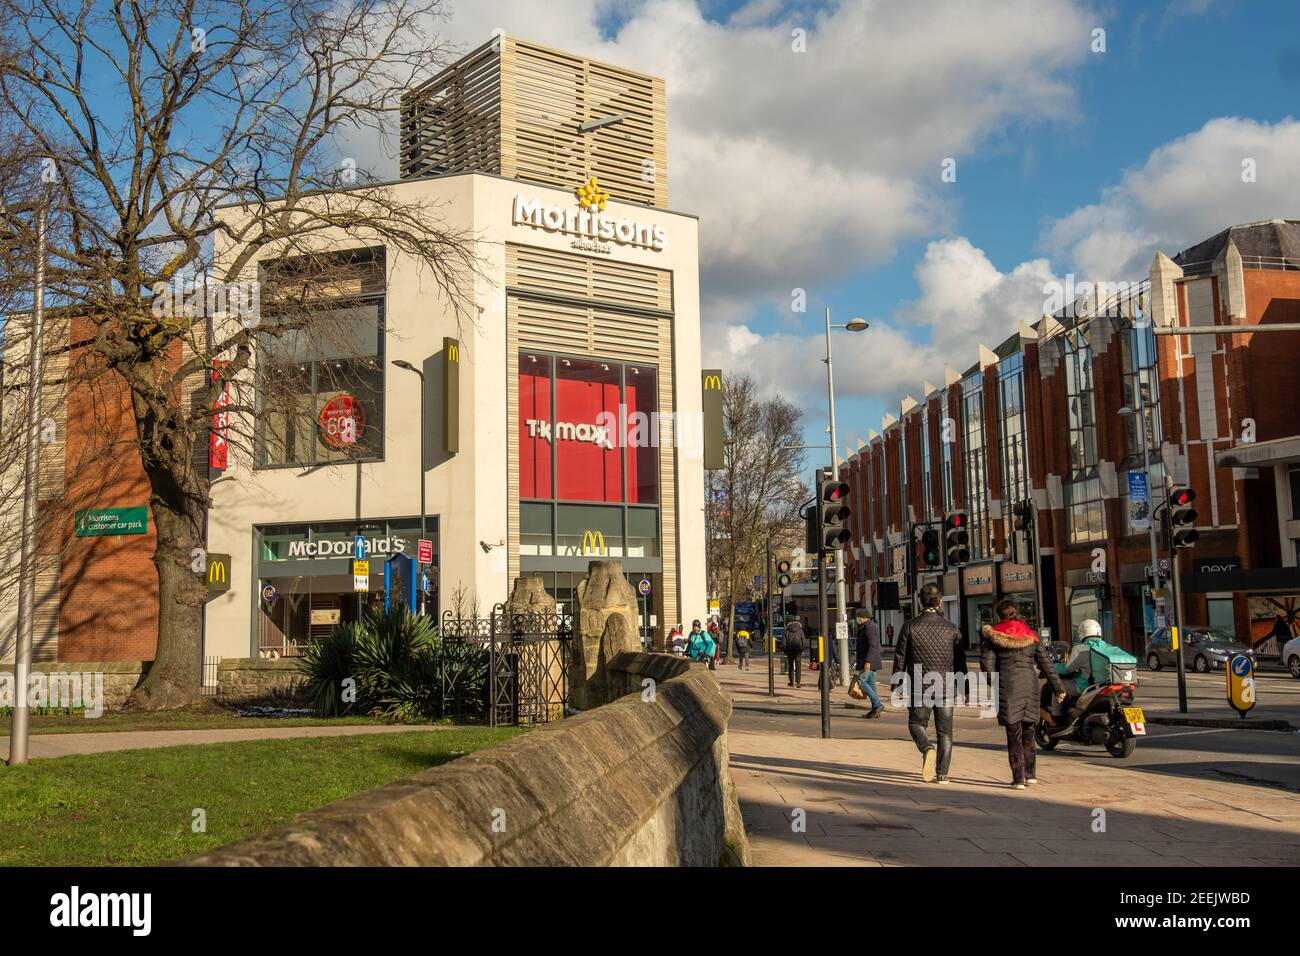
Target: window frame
(260,445)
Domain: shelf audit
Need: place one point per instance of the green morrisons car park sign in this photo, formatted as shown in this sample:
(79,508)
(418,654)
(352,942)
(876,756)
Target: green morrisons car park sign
(100,522)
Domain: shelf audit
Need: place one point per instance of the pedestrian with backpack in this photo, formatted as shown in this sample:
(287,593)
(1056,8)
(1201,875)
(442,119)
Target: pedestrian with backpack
(794,645)
(742,650)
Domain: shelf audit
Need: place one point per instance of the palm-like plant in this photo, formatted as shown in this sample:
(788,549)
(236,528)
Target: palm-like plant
(393,663)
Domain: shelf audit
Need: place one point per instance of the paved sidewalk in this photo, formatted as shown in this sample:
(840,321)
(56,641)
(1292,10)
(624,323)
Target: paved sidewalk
(63,745)
(864,804)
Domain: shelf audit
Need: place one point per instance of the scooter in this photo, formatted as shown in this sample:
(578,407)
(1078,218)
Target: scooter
(1100,713)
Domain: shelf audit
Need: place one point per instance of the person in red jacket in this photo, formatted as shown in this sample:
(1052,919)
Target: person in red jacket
(1012,650)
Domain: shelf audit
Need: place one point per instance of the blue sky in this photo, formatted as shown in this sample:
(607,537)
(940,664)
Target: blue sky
(1168,69)
(809,137)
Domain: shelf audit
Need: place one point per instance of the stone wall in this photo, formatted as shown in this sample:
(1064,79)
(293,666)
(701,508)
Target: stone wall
(120,677)
(642,781)
(254,680)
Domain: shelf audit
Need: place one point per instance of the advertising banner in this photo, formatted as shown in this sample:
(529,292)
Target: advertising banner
(218,439)
(1139,498)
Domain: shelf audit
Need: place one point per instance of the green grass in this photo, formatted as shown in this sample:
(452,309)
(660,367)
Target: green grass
(208,717)
(136,807)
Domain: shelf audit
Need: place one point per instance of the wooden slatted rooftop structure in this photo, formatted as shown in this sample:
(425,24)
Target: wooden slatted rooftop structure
(514,108)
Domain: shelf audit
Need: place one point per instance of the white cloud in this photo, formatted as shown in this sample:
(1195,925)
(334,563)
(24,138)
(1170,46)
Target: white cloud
(806,167)
(965,301)
(1187,190)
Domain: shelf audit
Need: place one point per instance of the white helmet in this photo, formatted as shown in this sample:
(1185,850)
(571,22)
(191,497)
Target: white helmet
(1089,628)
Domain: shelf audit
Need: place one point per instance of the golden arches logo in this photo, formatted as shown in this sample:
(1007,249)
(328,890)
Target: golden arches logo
(453,352)
(216,572)
(593,542)
(713,383)
(591,196)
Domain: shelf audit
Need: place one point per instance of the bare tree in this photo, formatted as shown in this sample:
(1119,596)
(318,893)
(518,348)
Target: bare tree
(216,148)
(757,493)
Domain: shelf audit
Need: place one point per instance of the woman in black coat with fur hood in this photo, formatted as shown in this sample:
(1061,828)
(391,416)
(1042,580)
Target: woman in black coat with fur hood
(1012,650)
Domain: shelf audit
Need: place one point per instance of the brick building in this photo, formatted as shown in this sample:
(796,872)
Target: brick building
(1065,413)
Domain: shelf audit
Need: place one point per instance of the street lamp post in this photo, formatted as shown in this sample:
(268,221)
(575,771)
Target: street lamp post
(1141,429)
(855,324)
(31,466)
(402,363)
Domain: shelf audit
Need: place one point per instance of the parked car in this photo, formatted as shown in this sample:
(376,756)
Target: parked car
(1291,656)
(1204,648)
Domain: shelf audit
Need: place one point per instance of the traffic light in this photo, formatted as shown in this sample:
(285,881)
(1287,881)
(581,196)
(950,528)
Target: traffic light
(1181,516)
(810,536)
(956,539)
(833,515)
(1023,512)
(783,576)
(930,557)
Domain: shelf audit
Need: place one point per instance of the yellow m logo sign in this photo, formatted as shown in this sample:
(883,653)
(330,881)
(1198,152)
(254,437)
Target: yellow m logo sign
(453,352)
(593,542)
(713,383)
(216,572)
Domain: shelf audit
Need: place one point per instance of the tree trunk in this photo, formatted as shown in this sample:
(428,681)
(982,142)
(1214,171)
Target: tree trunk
(178,507)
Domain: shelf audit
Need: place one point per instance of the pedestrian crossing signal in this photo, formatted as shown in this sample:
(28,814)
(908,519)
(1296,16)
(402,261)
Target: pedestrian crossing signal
(956,539)
(930,548)
(833,513)
(1182,515)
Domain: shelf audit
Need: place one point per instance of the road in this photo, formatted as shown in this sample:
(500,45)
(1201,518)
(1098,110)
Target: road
(1266,758)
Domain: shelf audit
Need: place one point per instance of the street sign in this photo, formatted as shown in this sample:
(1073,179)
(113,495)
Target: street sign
(105,522)
(361,575)
(644,587)
(268,594)
(1241,683)
(424,551)
(714,606)
(1163,564)
(359,548)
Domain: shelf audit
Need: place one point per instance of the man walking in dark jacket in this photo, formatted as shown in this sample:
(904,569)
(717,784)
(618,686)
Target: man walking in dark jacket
(793,642)
(869,659)
(925,658)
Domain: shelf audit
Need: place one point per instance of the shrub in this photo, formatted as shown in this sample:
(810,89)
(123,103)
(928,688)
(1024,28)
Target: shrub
(397,662)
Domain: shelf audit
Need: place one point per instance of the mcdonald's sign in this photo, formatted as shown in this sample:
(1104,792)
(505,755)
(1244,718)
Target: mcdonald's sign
(218,573)
(593,542)
(711,384)
(450,395)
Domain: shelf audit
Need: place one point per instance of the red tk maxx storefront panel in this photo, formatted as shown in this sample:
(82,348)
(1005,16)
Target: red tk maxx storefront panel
(598,429)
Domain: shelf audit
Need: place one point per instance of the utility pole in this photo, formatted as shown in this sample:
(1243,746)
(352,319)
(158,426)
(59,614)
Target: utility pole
(769,637)
(823,673)
(31,482)
(840,608)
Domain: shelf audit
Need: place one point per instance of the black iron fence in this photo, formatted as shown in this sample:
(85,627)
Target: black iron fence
(512,665)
